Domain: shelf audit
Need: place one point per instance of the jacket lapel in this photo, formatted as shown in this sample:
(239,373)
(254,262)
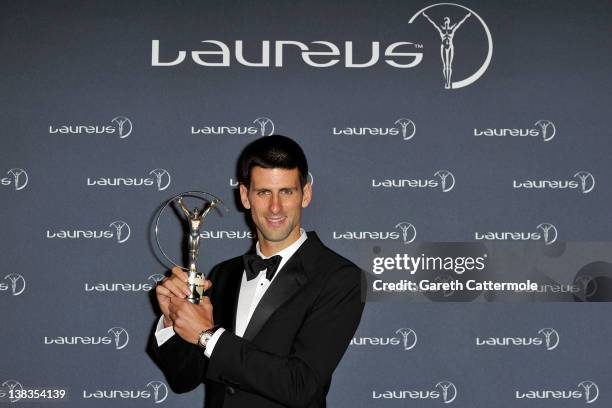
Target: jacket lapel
(289,280)
(226,303)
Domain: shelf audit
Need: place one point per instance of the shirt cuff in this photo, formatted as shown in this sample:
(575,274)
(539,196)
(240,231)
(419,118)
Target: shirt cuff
(213,340)
(163,334)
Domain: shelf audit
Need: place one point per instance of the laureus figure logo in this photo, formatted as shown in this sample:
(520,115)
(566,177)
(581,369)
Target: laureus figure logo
(121,337)
(591,391)
(447,180)
(548,129)
(408,231)
(407,126)
(266,126)
(449,391)
(551,337)
(549,232)
(156,277)
(445,279)
(124,126)
(162,178)
(123,230)
(409,337)
(588,286)
(160,391)
(20,178)
(18,283)
(447,31)
(12,385)
(587,181)
(447,49)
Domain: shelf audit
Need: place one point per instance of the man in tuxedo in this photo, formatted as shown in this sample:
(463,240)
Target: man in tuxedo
(276,322)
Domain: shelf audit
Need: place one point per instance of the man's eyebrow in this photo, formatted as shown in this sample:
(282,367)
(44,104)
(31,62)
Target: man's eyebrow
(270,189)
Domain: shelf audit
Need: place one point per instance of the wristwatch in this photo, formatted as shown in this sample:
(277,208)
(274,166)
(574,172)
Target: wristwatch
(205,337)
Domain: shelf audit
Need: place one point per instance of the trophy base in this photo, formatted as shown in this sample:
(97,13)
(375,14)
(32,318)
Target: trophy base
(195,281)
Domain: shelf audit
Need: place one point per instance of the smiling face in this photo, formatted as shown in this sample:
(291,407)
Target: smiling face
(275,198)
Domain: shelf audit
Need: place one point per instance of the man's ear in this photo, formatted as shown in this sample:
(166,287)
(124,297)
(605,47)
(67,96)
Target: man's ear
(244,196)
(306,195)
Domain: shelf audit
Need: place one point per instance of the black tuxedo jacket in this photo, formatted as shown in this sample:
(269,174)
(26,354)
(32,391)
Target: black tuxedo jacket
(294,341)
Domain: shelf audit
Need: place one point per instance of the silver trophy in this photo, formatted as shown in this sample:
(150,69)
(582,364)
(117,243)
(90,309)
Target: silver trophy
(195,217)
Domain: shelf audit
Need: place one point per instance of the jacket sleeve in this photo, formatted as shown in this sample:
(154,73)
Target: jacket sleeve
(299,379)
(183,363)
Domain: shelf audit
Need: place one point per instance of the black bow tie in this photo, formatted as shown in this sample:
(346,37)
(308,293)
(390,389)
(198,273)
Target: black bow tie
(253,264)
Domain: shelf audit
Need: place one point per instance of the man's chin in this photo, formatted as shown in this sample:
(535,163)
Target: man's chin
(276,236)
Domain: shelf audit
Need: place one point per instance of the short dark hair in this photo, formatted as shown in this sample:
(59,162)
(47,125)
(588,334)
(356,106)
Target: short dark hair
(270,152)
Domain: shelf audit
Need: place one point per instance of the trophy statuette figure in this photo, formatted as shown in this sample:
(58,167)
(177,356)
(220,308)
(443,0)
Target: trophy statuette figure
(195,218)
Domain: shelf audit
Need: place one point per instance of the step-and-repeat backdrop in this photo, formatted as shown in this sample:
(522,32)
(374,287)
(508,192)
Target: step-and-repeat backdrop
(481,126)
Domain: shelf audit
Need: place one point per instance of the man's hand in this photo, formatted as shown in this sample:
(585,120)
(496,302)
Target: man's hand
(189,319)
(173,286)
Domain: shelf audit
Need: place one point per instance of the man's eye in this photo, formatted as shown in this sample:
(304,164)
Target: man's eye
(263,193)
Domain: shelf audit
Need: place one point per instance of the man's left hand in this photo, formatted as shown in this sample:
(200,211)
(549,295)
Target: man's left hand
(189,319)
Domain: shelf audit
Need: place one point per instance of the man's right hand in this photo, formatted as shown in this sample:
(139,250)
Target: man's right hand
(174,285)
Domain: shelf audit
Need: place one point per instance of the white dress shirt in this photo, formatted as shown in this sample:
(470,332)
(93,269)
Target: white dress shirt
(249,296)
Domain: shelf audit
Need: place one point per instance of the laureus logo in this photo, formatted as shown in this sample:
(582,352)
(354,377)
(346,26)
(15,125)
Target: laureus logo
(591,391)
(408,231)
(155,390)
(587,181)
(227,234)
(549,338)
(122,230)
(325,54)
(405,231)
(446,290)
(8,386)
(117,337)
(120,337)
(585,286)
(17,284)
(262,126)
(582,181)
(447,29)
(587,390)
(446,182)
(18,178)
(160,391)
(407,127)
(124,126)
(543,128)
(404,127)
(407,338)
(266,126)
(444,390)
(124,287)
(119,125)
(548,234)
(156,278)
(449,391)
(161,180)
(547,129)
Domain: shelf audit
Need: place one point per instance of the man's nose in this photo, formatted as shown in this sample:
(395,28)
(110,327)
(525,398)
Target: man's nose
(275,204)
